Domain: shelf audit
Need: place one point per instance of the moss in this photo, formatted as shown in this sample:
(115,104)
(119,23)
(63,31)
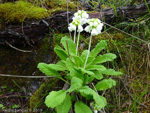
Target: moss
(54,4)
(22,10)
(19,11)
(38,98)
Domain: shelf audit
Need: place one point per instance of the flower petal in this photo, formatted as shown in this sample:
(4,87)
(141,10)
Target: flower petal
(94,32)
(95,23)
(80,28)
(72,27)
(83,21)
(88,29)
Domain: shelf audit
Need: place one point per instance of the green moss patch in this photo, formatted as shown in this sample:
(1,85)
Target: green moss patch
(55,4)
(19,11)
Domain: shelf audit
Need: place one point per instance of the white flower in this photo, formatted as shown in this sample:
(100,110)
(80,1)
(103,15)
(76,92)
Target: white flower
(81,16)
(79,19)
(83,21)
(94,32)
(76,18)
(80,28)
(95,111)
(95,23)
(72,27)
(99,28)
(95,27)
(85,15)
(76,14)
(88,29)
(79,11)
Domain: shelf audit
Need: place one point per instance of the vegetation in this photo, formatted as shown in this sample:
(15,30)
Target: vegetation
(19,11)
(131,93)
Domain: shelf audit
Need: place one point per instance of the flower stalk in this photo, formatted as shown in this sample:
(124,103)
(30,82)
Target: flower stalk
(75,36)
(88,51)
(77,42)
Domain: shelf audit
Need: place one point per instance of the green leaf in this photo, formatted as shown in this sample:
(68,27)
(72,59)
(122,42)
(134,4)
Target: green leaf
(69,63)
(100,101)
(44,68)
(76,83)
(111,72)
(86,90)
(78,61)
(57,67)
(71,45)
(65,106)
(62,63)
(98,75)
(84,71)
(95,67)
(105,84)
(76,73)
(1,106)
(84,55)
(104,58)
(89,79)
(55,98)
(61,53)
(80,107)
(101,45)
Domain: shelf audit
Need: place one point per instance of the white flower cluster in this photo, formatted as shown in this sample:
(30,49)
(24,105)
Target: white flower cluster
(74,25)
(80,18)
(95,26)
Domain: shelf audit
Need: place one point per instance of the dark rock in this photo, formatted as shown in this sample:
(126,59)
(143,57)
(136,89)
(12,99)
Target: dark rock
(30,33)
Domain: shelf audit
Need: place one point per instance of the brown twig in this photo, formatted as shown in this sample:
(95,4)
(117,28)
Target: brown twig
(25,51)
(20,76)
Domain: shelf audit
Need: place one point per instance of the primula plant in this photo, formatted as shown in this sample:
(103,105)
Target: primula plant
(79,70)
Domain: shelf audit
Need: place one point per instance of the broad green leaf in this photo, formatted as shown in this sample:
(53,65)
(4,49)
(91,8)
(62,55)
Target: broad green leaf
(84,71)
(86,90)
(98,75)
(71,45)
(69,63)
(61,53)
(104,58)
(62,63)
(76,73)
(84,55)
(105,84)
(96,67)
(80,107)
(89,79)
(44,68)
(55,98)
(57,67)
(78,61)
(76,83)
(100,101)
(65,106)
(101,45)
(89,61)
(111,72)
